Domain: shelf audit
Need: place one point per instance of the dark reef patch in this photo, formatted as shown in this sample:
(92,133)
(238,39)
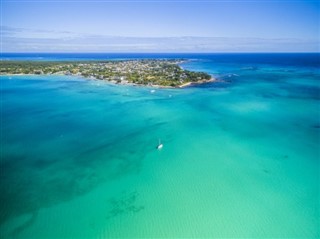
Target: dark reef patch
(124,204)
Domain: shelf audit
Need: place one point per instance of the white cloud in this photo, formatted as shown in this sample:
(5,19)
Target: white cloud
(28,40)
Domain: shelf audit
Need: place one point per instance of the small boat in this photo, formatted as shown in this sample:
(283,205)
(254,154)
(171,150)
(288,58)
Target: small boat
(160,145)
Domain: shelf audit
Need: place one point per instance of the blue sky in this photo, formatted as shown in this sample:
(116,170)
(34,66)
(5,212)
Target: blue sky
(160,26)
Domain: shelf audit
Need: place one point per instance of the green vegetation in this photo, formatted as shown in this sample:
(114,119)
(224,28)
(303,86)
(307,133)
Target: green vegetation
(141,72)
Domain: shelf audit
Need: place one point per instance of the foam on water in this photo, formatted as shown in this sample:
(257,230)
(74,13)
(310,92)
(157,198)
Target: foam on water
(240,159)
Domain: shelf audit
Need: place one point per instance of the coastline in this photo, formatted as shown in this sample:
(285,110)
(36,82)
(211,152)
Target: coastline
(184,85)
(159,73)
(212,79)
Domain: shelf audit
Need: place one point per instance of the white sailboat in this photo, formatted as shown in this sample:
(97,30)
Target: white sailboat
(160,145)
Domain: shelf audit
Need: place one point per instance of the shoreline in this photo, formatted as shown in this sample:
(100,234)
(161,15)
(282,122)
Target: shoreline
(184,85)
(159,73)
(212,79)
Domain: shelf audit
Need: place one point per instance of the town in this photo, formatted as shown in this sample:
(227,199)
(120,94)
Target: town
(150,72)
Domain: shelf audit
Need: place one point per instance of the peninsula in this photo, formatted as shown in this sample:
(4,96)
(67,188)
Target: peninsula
(150,72)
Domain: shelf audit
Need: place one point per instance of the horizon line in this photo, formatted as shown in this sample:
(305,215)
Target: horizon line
(271,52)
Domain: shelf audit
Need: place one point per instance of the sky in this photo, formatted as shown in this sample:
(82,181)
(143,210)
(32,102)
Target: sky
(160,26)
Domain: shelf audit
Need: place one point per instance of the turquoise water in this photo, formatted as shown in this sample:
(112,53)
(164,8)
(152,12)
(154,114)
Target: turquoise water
(240,158)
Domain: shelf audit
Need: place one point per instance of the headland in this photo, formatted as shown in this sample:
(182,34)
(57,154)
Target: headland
(148,72)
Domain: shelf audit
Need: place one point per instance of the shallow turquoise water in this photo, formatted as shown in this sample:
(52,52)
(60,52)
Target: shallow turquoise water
(240,159)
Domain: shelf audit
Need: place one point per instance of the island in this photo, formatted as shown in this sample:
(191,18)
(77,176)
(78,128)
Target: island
(148,72)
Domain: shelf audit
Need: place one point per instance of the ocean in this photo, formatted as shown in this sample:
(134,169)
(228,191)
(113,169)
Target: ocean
(240,158)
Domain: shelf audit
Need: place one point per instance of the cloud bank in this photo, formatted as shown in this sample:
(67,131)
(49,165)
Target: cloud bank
(27,40)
